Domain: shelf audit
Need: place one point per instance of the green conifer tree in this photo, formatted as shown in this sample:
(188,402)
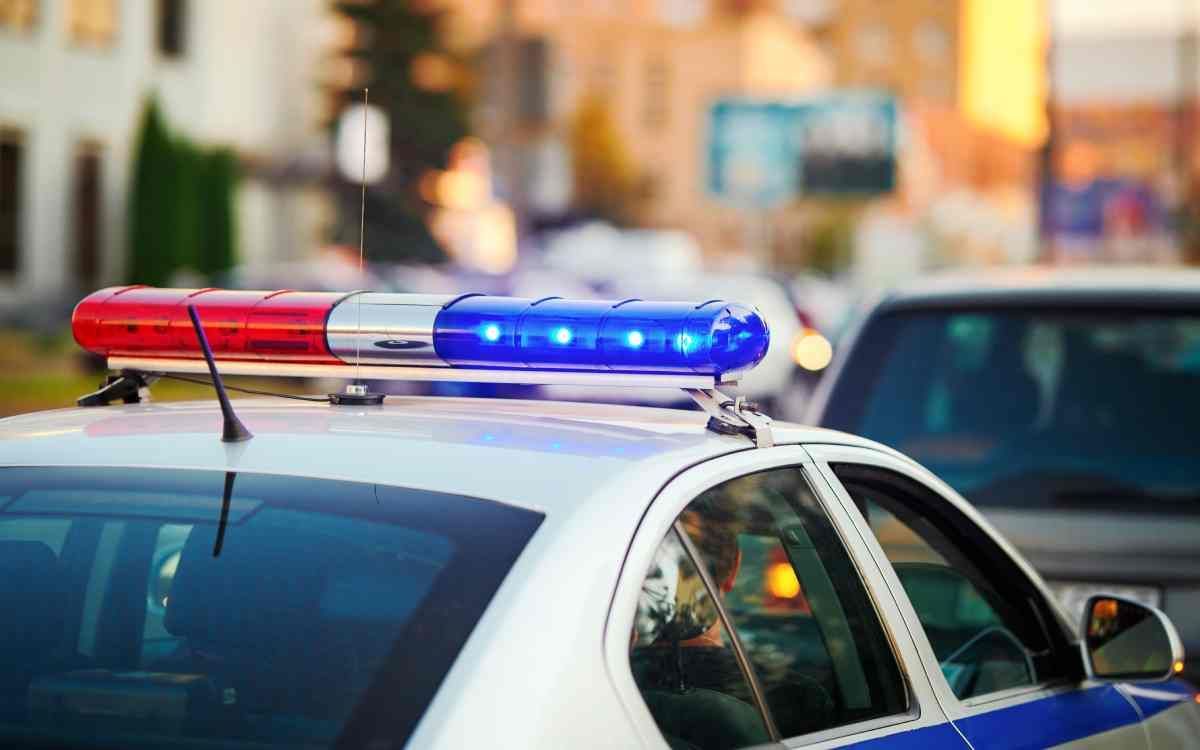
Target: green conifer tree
(152,202)
(426,119)
(181,204)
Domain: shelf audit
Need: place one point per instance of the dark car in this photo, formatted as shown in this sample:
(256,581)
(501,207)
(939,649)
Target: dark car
(1065,404)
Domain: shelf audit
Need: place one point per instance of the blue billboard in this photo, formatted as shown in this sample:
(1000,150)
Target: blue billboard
(763,153)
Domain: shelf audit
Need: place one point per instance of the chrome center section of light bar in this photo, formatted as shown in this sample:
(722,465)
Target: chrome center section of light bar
(385,329)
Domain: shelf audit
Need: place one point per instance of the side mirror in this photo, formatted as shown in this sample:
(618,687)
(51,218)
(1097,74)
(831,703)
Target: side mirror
(1126,641)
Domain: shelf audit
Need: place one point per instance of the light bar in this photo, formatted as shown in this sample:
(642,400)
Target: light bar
(397,335)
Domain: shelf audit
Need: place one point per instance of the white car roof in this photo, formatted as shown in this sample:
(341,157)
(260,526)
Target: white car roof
(543,455)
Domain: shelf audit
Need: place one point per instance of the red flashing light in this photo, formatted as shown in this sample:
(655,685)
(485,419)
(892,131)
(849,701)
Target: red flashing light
(142,321)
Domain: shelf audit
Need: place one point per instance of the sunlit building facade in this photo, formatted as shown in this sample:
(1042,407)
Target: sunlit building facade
(74,76)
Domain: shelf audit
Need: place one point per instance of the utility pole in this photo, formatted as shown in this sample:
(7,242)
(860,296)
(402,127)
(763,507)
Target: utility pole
(1044,175)
(1184,140)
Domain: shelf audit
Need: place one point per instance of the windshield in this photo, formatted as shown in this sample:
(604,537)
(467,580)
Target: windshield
(1038,408)
(152,608)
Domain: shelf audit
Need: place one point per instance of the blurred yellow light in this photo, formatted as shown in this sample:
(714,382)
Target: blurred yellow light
(812,351)
(428,185)
(1178,667)
(460,189)
(782,582)
(496,240)
(432,72)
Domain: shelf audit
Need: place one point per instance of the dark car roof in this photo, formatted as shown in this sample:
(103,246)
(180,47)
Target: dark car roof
(1115,286)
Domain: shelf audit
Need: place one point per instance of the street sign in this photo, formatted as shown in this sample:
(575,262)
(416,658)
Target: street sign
(763,153)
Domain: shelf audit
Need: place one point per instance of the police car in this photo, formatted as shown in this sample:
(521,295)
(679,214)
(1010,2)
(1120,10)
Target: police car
(453,573)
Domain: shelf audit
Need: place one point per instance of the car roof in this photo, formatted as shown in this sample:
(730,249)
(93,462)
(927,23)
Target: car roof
(530,453)
(1138,286)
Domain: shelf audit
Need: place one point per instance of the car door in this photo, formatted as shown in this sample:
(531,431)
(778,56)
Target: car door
(1004,664)
(744,617)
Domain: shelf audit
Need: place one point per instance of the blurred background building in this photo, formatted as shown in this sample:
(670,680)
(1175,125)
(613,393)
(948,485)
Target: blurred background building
(159,140)
(77,76)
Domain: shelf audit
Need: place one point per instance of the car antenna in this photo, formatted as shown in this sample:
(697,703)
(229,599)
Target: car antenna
(357,393)
(233,431)
(219,542)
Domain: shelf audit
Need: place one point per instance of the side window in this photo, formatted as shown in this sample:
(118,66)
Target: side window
(157,641)
(753,624)
(987,629)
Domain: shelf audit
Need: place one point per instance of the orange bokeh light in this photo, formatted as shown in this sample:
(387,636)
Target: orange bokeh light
(782,582)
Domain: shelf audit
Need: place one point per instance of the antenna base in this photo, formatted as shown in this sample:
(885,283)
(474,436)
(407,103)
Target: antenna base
(356,394)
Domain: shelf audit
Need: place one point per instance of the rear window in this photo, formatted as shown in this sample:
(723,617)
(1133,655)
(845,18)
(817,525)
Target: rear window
(1093,408)
(150,608)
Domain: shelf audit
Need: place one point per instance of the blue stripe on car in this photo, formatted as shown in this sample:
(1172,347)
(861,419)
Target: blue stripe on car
(1053,720)
(931,738)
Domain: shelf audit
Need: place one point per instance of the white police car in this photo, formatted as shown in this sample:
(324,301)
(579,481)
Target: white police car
(454,573)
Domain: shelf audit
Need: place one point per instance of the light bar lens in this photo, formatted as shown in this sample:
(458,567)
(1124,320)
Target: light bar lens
(280,326)
(712,338)
(631,336)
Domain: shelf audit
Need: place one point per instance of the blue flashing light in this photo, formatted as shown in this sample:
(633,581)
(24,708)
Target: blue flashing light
(631,336)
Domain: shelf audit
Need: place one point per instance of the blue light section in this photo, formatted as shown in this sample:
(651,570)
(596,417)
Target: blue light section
(631,336)
(464,337)
(559,334)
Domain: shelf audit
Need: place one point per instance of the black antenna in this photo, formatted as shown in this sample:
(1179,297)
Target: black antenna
(224,520)
(233,431)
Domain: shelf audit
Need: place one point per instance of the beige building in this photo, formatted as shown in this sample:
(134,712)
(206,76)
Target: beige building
(659,65)
(910,48)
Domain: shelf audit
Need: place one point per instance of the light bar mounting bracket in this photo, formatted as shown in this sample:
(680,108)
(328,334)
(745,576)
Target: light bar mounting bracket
(730,416)
(129,387)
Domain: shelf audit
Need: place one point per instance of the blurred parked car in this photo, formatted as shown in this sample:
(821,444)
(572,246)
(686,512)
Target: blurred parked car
(1065,404)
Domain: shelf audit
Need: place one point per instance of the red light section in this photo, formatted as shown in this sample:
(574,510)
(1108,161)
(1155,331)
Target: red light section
(139,321)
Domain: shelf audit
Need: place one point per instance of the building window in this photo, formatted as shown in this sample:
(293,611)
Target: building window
(12,152)
(17,15)
(682,13)
(88,212)
(873,42)
(932,42)
(172,26)
(92,23)
(656,107)
(810,12)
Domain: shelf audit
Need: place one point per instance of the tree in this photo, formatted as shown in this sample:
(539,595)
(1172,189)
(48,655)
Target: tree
(217,176)
(605,180)
(153,219)
(181,204)
(413,78)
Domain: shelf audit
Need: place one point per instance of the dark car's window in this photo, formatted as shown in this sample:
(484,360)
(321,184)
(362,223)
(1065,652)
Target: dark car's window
(814,643)
(1035,407)
(987,624)
(318,611)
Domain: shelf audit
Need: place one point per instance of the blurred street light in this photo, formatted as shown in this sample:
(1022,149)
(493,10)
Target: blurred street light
(351,143)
